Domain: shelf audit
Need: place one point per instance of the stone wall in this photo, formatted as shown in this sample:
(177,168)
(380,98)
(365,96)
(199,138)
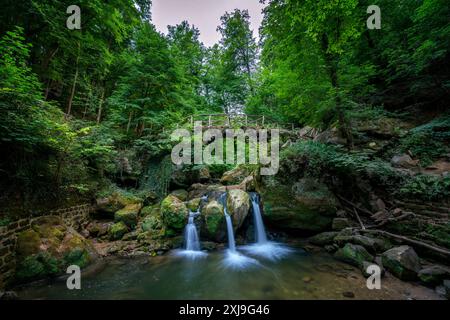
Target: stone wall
(75,217)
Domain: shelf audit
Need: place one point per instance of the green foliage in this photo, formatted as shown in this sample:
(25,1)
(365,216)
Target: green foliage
(428,142)
(426,187)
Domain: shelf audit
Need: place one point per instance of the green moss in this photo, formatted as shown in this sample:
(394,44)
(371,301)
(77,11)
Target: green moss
(174,213)
(37,266)
(354,255)
(128,215)
(117,231)
(28,242)
(77,257)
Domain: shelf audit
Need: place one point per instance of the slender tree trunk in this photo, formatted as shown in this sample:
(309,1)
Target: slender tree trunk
(75,78)
(129,121)
(100,106)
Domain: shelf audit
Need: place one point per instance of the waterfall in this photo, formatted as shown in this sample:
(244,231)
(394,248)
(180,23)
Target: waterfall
(230,231)
(260,230)
(231,242)
(191,239)
(263,248)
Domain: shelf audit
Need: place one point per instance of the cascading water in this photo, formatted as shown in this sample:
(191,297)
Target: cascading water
(260,230)
(263,247)
(230,231)
(233,259)
(191,240)
(231,242)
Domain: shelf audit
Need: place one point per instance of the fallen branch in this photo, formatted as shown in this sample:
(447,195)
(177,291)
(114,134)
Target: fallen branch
(436,249)
(359,219)
(355,206)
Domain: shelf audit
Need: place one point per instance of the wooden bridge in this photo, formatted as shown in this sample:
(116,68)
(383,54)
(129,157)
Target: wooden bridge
(223,121)
(220,120)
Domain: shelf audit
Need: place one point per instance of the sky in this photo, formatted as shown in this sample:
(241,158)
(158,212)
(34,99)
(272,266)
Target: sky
(203,14)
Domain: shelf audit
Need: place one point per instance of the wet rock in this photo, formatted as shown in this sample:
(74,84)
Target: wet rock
(434,275)
(151,223)
(116,201)
(235,176)
(150,210)
(198,190)
(180,194)
(404,161)
(128,215)
(214,221)
(373,245)
(49,248)
(308,205)
(238,206)
(402,262)
(340,223)
(324,238)
(194,204)
(353,254)
(117,231)
(174,213)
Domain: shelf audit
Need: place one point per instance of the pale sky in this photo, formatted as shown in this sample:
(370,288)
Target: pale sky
(203,14)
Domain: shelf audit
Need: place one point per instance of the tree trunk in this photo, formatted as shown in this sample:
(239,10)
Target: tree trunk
(72,92)
(100,107)
(129,121)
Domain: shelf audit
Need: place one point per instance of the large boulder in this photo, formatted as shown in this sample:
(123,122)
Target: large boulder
(235,176)
(214,221)
(238,205)
(180,194)
(117,200)
(49,248)
(434,275)
(118,230)
(198,190)
(402,262)
(128,215)
(308,205)
(373,245)
(174,213)
(353,254)
(324,238)
(194,204)
(404,161)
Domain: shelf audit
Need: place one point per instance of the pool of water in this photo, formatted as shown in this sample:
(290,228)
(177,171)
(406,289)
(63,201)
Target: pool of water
(297,275)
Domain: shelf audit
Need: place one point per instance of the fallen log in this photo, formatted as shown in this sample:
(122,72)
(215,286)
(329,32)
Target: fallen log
(439,250)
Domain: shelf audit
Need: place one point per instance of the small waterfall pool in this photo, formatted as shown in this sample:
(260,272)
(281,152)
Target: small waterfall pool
(298,276)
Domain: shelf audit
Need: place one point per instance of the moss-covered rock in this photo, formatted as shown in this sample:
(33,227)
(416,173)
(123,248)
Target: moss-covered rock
(128,215)
(118,230)
(304,206)
(151,223)
(353,254)
(402,262)
(116,201)
(180,194)
(150,210)
(194,204)
(238,206)
(48,249)
(37,266)
(324,238)
(434,275)
(214,221)
(174,213)
(235,176)
(28,243)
